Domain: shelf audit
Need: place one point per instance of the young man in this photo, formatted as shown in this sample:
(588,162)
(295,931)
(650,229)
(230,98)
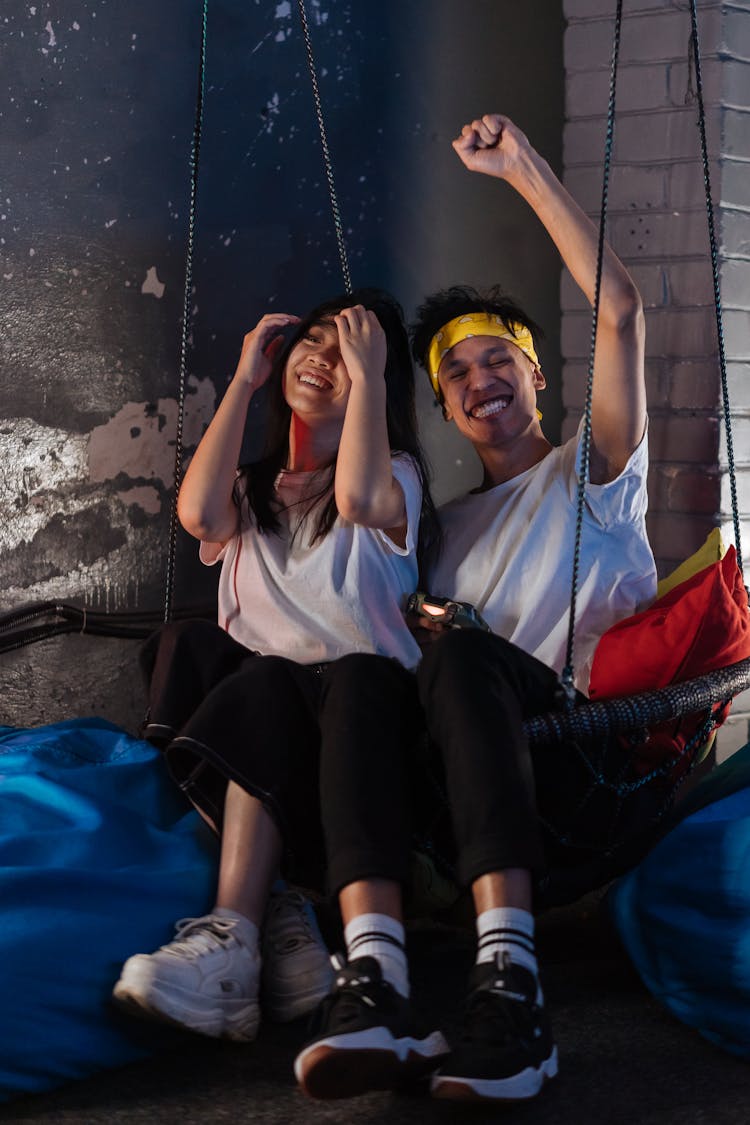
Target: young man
(508,550)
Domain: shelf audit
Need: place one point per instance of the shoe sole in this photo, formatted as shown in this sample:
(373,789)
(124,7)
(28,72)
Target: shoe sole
(515,1088)
(346,1065)
(237,1020)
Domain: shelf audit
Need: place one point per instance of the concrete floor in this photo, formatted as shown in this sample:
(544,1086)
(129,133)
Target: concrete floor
(624,1060)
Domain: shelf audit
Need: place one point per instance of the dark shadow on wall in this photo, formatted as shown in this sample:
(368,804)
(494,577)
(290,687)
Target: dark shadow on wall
(94,141)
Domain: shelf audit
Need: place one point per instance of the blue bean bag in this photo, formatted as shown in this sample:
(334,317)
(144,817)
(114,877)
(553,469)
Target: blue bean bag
(99,856)
(684,913)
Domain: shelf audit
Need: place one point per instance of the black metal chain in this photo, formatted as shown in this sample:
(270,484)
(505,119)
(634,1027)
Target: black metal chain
(327,163)
(186,315)
(567,677)
(715,276)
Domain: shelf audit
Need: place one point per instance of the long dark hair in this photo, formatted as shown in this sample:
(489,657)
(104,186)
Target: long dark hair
(256,481)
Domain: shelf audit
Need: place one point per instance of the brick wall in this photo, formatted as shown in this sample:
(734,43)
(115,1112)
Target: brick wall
(657,224)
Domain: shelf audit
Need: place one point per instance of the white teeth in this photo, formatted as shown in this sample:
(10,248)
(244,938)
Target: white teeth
(488,408)
(314,381)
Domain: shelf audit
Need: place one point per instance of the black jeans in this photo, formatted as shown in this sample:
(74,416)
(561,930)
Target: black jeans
(542,809)
(324,747)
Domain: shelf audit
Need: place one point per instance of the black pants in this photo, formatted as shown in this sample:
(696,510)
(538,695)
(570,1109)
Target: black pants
(323,747)
(544,809)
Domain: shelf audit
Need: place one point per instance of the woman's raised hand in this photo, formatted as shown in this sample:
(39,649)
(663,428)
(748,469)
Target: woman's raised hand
(260,347)
(362,343)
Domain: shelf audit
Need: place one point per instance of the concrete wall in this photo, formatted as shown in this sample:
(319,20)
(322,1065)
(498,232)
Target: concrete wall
(658,225)
(95,128)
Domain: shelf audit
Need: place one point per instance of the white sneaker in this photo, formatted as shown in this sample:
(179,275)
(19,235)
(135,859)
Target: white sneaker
(297,971)
(206,979)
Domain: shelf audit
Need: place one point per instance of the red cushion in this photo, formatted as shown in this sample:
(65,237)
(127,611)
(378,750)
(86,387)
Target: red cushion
(700,625)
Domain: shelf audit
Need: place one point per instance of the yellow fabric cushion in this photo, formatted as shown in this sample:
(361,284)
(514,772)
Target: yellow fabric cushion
(711,551)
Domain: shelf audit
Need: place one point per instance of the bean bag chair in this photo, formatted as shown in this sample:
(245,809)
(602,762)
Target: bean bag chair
(99,855)
(683,914)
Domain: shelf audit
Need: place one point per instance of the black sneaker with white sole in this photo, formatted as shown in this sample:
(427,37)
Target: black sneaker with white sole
(505,1050)
(366,1037)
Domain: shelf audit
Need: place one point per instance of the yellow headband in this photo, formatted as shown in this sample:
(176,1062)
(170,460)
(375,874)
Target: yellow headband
(474,324)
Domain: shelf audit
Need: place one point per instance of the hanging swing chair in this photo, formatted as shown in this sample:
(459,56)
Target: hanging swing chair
(698,705)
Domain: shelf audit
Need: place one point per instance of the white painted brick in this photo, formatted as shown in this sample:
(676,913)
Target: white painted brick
(734,282)
(686,187)
(665,35)
(575,375)
(675,535)
(586,93)
(735,76)
(653,284)
(735,232)
(638,88)
(694,384)
(736,132)
(669,134)
(738,385)
(735,184)
(681,82)
(659,235)
(587,45)
(581,9)
(678,438)
(583,141)
(735,36)
(727,533)
(743,491)
(684,489)
(740,438)
(691,283)
(571,297)
(630,188)
(736,333)
(657,223)
(687,333)
(650,280)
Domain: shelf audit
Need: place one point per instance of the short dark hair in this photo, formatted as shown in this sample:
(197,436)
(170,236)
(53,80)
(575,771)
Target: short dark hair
(445,305)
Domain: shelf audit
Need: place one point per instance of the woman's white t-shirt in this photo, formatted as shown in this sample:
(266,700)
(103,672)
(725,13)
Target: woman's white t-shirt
(281,594)
(509,551)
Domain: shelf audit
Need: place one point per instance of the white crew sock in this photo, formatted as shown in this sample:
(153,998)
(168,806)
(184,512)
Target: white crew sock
(381,937)
(506,929)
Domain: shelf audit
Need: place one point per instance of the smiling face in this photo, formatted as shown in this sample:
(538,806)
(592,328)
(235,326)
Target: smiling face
(489,390)
(316,382)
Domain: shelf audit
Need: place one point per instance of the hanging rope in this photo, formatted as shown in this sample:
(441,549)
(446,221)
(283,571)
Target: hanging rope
(583,475)
(186,316)
(327,163)
(715,276)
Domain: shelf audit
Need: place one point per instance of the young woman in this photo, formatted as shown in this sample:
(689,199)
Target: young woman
(286,723)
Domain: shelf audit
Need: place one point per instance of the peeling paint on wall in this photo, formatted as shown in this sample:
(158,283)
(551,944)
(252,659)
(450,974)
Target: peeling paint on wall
(152,284)
(140,440)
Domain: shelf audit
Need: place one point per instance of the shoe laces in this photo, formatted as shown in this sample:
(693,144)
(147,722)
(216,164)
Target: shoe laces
(353,988)
(195,936)
(498,1010)
(288,925)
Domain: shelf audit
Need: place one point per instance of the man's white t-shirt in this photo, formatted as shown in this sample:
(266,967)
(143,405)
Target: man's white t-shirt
(509,551)
(281,594)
